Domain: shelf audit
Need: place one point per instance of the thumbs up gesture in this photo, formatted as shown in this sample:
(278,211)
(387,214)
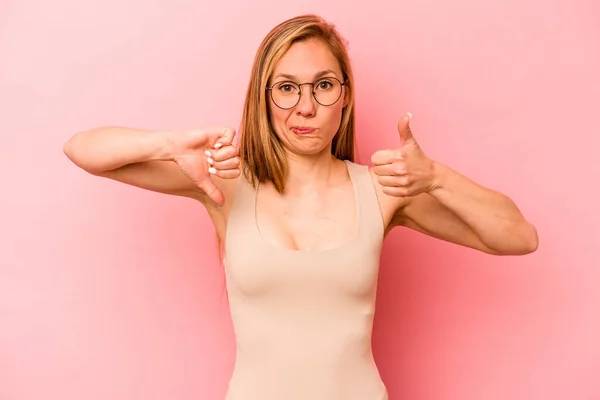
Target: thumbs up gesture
(405,171)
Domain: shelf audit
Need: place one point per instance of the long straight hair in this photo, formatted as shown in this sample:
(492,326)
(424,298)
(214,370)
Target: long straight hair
(261,152)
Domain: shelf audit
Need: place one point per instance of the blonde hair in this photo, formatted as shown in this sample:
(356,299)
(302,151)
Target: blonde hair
(261,151)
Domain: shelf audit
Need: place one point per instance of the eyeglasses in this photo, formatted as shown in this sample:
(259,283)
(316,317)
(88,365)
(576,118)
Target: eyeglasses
(326,91)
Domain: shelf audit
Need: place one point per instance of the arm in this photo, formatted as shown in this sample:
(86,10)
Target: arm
(435,200)
(460,211)
(170,162)
(136,157)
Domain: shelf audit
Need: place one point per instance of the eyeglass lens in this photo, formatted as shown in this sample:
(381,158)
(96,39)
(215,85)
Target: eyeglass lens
(326,91)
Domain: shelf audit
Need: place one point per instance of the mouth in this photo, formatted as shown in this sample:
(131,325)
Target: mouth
(302,130)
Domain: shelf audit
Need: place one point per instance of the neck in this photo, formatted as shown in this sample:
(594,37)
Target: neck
(307,173)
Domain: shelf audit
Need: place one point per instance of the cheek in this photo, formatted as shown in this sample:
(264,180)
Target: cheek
(278,118)
(334,117)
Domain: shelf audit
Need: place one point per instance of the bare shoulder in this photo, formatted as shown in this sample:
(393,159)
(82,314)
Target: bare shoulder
(390,206)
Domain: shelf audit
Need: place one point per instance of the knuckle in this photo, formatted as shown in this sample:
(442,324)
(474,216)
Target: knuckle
(398,168)
(381,157)
(396,192)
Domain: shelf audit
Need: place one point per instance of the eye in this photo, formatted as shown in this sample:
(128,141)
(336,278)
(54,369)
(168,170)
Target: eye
(324,85)
(286,87)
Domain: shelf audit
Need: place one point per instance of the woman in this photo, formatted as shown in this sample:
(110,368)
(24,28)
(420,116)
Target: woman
(302,225)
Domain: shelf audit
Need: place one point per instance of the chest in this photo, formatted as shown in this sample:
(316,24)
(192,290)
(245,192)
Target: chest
(311,222)
(305,246)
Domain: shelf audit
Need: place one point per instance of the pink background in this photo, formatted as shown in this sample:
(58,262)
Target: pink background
(111,292)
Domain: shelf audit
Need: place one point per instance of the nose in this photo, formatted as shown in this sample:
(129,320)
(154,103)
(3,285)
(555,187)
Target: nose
(306,105)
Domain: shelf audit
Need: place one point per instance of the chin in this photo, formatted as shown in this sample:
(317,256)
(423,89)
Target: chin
(315,149)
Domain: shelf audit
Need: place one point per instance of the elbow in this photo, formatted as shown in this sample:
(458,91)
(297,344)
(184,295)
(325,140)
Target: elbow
(528,241)
(69,150)
(76,155)
(73,147)
(532,240)
(521,241)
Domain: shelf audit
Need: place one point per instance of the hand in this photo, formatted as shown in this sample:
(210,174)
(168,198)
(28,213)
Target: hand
(202,152)
(406,171)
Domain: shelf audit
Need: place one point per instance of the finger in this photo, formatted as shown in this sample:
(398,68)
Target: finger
(226,138)
(395,168)
(383,157)
(230,163)
(404,130)
(224,153)
(393,181)
(228,173)
(396,191)
(212,191)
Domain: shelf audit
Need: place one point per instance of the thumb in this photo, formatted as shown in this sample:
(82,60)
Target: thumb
(226,137)
(212,191)
(406,135)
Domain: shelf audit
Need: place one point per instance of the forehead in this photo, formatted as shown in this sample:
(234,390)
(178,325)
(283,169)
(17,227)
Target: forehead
(305,59)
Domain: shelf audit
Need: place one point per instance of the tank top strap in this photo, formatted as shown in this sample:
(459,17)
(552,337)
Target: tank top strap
(370,218)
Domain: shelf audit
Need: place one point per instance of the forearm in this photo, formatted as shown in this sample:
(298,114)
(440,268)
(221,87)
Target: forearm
(493,216)
(106,149)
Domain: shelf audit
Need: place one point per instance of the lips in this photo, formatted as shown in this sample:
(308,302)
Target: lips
(302,130)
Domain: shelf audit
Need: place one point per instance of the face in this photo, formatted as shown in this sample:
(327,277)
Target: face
(308,127)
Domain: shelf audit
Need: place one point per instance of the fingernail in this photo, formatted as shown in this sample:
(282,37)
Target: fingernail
(409,116)
(210,161)
(211,170)
(208,153)
(218,145)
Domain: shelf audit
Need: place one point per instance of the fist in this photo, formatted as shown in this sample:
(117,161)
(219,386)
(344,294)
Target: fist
(200,153)
(405,171)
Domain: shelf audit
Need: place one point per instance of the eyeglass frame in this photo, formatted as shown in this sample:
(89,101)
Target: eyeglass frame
(342,84)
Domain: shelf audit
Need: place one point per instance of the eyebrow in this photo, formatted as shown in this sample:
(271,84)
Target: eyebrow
(317,75)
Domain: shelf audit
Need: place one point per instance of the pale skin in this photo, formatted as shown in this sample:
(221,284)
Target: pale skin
(317,209)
